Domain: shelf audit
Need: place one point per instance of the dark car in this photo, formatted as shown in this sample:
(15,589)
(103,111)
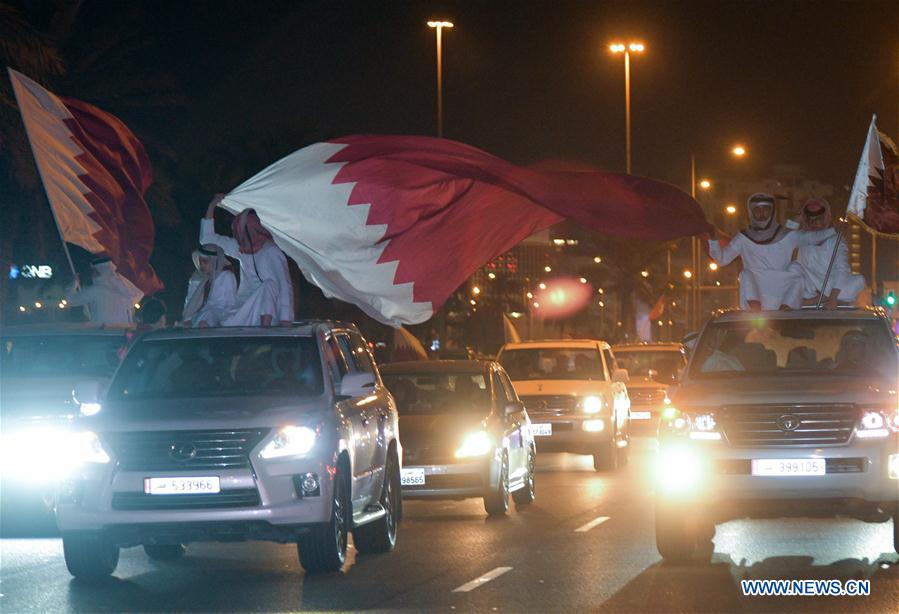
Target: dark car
(465,432)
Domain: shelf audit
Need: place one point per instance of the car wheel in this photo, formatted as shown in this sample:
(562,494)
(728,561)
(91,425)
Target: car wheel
(380,535)
(606,457)
(497,502)
(682,536)
(526,495)
(323,549)
(165,552)
(89,556)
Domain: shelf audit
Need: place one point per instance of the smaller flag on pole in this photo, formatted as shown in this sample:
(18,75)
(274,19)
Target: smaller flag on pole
(509,331)
(874,200)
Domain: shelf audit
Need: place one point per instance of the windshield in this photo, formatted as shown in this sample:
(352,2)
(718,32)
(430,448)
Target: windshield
(439,393)
(666,364)
(553,363)
(818,348)
(220,367)
(73,356)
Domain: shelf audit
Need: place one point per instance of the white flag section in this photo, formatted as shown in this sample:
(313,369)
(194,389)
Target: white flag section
(332,243)
(58,161)
(869,166)
(510,333)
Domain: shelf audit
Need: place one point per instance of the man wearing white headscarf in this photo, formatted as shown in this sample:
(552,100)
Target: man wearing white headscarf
(211,290)
(767,281)
(813,260)
(265,294)
(110,299)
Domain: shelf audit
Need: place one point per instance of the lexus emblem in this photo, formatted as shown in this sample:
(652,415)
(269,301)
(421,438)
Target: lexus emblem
(788,422)
(182,451)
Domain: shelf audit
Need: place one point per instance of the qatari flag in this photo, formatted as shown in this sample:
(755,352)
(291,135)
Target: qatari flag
(95,173)
(394,224)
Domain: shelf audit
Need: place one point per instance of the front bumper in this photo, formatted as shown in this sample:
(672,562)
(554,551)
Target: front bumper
(267,499)
(569,433)
(856,478)
(456,480)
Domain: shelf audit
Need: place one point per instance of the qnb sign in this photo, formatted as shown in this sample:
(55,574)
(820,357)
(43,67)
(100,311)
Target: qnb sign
(30,271)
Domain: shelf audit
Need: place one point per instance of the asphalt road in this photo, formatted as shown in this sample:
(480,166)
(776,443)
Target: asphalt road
(587,543)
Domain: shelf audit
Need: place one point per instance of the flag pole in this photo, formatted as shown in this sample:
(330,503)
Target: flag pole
(833,258)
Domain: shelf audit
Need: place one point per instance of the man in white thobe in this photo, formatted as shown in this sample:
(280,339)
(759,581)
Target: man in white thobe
(110,299)
(265,293)
(813,261)
(767,281)
(211,290)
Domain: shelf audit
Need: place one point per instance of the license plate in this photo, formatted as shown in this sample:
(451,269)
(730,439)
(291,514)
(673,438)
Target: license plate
(641,415)
(542,430)
(182,486)
(788,466)
(412,476)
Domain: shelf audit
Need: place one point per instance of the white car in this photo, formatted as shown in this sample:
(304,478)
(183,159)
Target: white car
(575,396)
(652,368)
(785,413)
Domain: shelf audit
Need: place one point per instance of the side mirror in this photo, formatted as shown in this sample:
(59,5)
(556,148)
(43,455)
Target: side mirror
(87,396)
(513,408)
(689,340)
(356,384)
(621,375)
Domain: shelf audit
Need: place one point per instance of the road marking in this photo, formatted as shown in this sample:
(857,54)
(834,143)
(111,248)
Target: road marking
(487,577)
(593,523)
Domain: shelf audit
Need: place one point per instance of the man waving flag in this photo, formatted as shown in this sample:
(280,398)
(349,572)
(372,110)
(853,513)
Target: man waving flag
(95,173)
(875,193)
(394,224)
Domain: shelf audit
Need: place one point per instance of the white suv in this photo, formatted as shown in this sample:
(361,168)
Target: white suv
(575,396)
(789,413)
(283,434)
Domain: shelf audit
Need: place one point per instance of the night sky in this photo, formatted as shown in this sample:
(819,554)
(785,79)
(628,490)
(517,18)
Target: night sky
(217,90)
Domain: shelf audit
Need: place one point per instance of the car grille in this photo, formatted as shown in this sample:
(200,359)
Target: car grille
(156,450)
(129,501)
(757,425)
(550,404)
(428,456)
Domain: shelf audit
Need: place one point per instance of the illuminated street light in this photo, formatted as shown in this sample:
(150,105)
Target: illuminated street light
(597,260)
(438,27)
(22,308)
(530,295)
(475,290)
(548,269)
(705,184)
(688,274)
(601,291)
(542,286)
(601,304)
(583,280)
(644,274)
(473,302)
(633,47)
(738,150)
(491,275)
(38,305)
(731,209)
(713,266)
(536,305)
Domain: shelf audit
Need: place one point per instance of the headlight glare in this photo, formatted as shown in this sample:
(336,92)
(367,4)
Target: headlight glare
(591,405)
(873,426)
(290,441)
(85,447)
(478,443)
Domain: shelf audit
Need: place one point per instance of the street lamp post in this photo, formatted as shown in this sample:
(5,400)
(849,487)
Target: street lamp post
(438,28)
(627,50)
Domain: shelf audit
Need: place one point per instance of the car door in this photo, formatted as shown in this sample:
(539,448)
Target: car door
(359,431)
(512,429)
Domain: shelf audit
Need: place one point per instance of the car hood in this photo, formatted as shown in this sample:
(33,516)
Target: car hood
(783,391)
(23,398)
(438,430)
(528,388)
(206,413)
(645,384)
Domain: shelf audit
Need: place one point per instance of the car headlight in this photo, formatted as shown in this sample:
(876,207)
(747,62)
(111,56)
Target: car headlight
(85,447)
(478,443)
(700,426)
(90,409)
(290,441)
(591,404)
(874,425)
(679,469)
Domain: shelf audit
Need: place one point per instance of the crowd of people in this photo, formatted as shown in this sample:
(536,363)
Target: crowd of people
(771,277)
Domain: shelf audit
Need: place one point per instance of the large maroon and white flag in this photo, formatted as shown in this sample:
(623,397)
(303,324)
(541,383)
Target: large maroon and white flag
(394,224)
(95,173)
(875,192)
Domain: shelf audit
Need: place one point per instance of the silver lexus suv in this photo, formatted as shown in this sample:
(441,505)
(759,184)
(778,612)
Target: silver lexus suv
(789,413)
(282,434)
